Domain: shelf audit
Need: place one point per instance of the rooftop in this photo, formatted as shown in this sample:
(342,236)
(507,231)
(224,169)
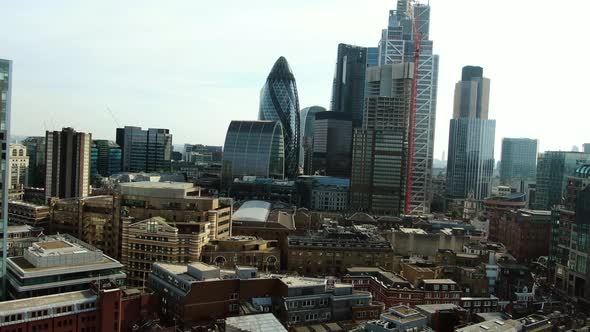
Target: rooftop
(29,205)
(31,304)
(438,281)
(253,211)
(157,185)
(493,325)
(302,282)
(261,322)
(433,308)
(412,230)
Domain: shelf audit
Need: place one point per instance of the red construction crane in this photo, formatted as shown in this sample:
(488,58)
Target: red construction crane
(409,180)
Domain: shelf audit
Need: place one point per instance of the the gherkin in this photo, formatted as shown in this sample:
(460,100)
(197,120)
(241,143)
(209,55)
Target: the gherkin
(279,102)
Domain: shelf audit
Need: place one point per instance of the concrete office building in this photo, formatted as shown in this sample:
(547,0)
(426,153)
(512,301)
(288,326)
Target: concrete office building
(67,169)
(5,102)
(155,240)
(57,264)
(586,147)
(348,88)
(379,158)
(24,213)
(18,166)
(264,255)
(89,219)
(519,162)
(179,203)
(332,144)
(307,124)
(395,47)
(553,170)
(253,148)
(145,150)
(36,152)
(279,101)
(470,163)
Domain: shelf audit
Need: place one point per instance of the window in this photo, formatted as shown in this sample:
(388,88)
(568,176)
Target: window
(323,301)
(233,307)
(234,296)
(293,304)
(295,319)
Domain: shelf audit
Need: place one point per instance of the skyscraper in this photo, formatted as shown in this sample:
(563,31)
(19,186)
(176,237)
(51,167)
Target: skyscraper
(5,100)
(470,163)
(253,148)
(586,147)
(67,172)
(332,144)
(397,46)
(553,170)
(348,88)
(279,101)
(379,157)
(519,161)
(306,124)
(108,160)
(36,151)
(145,150)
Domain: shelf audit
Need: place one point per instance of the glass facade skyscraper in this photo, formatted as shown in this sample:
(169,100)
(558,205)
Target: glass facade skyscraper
(332,144)
(306,124)
(253,148)
(519,161)
(145,150)
(108,157)
(5,100)
(553,170)
(397,46)
(279,101)
(470,164)
(348,88)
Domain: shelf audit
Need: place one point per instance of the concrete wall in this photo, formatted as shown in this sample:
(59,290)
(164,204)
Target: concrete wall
(425,244)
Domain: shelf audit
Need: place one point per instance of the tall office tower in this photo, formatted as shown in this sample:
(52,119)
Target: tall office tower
(586,147)
(18,166)
(519,162)
(397,46)
(306,129)
(553,170)
(145,150)
(279,102)
(194,153)
(36,152)
(67,169)
(5,100)
(108,157)
(379,153)
(253,148)
(332,144)
(348,88)
(470,163)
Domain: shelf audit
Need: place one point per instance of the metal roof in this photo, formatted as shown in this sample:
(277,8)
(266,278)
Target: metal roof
(253,211)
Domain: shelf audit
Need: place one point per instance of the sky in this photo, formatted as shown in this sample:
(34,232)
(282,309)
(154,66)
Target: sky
(193,66)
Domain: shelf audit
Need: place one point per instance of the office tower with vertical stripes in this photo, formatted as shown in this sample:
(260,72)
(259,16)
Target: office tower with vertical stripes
(5,99)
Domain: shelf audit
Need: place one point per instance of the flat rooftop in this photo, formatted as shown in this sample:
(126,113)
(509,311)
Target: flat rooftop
(302,282)
(32,303)
(158,185)
(261,322)
(412,230)
(433,308)
(438,281)
(493,325)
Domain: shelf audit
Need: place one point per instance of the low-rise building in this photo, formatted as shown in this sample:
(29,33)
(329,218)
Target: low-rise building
(243,250)
(156,240)
(493,326)
(480,304)
(57,264)
(194,293)
(526,233)
(399,318)
(333,250)
(20,237)
(443,317)
(95,309)
(417,242)
(34,215)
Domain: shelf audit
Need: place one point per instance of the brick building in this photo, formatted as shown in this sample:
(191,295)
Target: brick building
(97,309)
(526,233)
(243,250)
(391,289)
(200,293)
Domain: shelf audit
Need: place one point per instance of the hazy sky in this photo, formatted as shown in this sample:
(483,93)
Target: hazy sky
(192,66)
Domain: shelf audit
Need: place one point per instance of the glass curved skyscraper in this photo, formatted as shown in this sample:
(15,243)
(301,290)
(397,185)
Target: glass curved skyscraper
(253,148)
(279,102)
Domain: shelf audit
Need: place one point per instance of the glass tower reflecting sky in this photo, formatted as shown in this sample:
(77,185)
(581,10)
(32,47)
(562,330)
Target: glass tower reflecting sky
(5,96)
(279,102)
(253,148)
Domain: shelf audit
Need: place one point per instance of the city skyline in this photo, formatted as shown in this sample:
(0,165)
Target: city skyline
(98,66)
